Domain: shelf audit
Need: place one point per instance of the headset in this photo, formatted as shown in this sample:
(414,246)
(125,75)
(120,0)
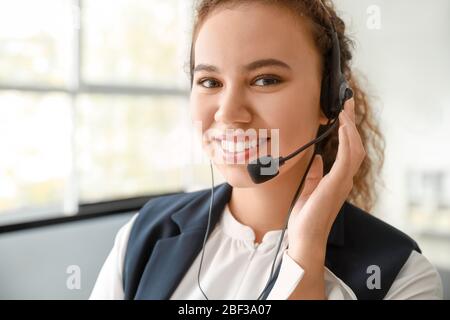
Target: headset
(335,90)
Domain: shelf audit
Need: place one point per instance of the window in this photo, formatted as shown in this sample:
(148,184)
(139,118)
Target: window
(36,42)
(35,129)
(93,104)
(134,42)
(406,60)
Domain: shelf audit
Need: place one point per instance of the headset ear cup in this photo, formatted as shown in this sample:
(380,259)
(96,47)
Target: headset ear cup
(325,96)
(348,94)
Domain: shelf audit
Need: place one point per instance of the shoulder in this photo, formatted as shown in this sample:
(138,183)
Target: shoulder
(174,201)
(155,222)
(185,209)
(366,230)
(159,209)
(418,279)
(366,249)
(109,281)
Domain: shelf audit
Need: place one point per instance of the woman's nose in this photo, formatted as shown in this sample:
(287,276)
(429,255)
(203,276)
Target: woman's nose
(233,107)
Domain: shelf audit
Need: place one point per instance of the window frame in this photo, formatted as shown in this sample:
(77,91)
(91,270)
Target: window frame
(78,86)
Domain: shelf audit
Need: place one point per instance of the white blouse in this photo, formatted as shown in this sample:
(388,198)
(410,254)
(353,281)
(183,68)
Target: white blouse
(234,267)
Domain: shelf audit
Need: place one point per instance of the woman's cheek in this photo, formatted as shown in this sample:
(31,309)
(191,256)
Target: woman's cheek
(294,126)
(199,113)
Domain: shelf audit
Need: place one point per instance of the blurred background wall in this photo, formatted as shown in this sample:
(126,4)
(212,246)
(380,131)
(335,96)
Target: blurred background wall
(94,108)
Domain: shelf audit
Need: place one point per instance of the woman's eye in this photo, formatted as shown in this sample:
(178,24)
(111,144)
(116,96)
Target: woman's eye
(260,82)
(209,83)
(267,81)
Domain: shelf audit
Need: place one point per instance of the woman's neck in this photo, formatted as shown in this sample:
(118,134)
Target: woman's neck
(265,206)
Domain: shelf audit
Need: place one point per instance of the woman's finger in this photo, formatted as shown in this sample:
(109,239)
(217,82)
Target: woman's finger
(342,162)
(312,180)
(349,107)
(351,129)
(356,146)
(314,176)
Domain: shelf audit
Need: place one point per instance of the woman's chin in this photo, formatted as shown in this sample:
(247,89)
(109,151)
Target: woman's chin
(233,165)
(236,175)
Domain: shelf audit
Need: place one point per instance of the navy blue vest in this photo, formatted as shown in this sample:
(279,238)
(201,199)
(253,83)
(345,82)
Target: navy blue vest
(167,236)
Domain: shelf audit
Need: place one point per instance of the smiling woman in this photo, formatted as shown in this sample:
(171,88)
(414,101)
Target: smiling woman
(272,65)
(305,49)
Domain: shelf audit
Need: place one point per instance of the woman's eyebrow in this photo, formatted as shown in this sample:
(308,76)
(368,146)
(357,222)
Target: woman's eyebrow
(249,67)
(265,63)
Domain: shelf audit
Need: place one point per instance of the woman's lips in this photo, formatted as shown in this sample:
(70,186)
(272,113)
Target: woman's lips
(239,151)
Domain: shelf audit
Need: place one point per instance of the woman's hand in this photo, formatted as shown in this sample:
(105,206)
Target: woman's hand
(319,203)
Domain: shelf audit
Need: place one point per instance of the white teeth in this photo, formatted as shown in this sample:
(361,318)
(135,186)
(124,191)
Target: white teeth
(231,146)
(240,146)
(262,140)
(224,145)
